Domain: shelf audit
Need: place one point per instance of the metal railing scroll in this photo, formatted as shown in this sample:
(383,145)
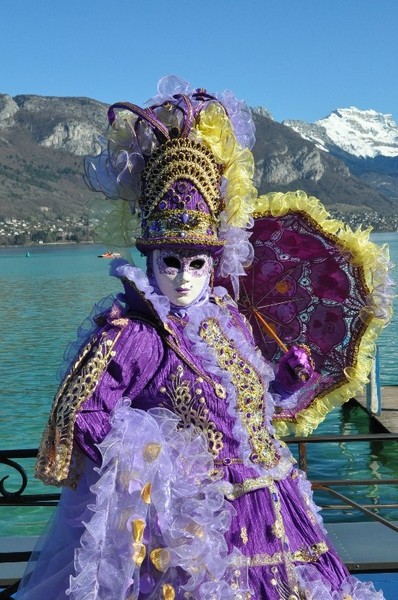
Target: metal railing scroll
(16,494)
(328,485)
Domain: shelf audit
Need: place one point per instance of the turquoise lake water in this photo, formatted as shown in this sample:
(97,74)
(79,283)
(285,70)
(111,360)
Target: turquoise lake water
(43,299)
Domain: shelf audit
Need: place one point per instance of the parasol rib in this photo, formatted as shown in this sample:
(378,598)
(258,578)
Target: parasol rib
(269,330)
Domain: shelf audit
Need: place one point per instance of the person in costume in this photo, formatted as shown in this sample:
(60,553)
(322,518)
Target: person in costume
(175,485)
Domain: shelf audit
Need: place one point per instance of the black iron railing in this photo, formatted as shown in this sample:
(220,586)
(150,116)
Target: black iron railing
(18,497)
(16,494)
(13,492)
(328,485)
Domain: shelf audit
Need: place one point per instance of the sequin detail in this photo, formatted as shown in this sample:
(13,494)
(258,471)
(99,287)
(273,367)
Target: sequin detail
(235,490)
(303,555)
(190,405)
(249,389)
(55,452)
(243,535)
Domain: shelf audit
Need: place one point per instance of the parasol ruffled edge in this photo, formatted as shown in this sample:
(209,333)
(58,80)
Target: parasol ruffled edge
(379,310)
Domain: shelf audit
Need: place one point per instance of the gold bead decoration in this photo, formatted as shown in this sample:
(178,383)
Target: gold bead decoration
(152,451)
(146,493)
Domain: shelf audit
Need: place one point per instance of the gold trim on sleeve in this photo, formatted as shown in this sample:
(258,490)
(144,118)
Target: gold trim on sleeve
(55,451)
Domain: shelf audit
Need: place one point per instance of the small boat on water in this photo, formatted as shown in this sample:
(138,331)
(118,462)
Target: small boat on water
(109,254)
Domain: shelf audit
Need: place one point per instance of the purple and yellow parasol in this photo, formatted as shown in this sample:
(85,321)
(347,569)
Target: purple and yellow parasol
(314,281)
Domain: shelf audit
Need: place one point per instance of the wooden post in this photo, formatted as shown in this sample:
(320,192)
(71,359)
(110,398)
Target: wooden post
(373,391)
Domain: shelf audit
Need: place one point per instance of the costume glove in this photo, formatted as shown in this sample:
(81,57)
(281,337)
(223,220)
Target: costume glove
(295,370)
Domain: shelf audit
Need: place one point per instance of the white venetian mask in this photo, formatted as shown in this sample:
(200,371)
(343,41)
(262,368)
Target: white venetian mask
(181,276)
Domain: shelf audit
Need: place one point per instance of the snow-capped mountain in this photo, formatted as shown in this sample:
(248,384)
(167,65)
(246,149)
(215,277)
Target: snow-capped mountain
(43,139)
(359,133)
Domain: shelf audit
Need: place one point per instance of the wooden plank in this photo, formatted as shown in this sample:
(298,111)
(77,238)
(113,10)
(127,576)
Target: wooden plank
(388,419)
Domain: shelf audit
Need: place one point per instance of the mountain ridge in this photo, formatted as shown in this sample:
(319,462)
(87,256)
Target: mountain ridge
(43,140)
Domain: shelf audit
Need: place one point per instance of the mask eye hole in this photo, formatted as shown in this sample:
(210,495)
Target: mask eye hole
(197,264)
(172,262)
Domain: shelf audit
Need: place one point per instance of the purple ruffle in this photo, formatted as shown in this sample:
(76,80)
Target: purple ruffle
(186,517)
(161,304)
(83,335)
(306,491)
(238,111)
(237,255)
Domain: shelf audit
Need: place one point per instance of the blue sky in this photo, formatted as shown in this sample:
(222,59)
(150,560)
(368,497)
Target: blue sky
(299,58)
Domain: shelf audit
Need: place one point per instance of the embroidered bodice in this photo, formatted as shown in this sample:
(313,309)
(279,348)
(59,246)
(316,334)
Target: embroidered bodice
(202,365)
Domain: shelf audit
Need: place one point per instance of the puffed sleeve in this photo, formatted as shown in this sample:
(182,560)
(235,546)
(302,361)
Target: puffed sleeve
(136,356)
(119,359)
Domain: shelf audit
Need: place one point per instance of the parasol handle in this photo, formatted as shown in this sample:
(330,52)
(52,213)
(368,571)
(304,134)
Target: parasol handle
(269,330)
(301,372)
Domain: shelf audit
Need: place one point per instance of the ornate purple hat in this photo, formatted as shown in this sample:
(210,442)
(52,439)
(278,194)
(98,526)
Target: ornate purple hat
(184,167)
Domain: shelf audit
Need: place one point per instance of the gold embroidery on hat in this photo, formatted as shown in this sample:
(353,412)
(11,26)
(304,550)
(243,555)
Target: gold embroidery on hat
(177,159)
(176,223)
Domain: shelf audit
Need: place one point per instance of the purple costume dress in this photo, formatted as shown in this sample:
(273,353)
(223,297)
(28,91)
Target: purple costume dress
(183,491)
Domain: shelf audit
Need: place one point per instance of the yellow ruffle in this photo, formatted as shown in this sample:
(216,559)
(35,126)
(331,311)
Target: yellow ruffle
(215,130)
(117,227)
(376,263)
(123,128)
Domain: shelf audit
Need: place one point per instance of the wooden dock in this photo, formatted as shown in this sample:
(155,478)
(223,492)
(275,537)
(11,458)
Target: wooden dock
(388,419)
